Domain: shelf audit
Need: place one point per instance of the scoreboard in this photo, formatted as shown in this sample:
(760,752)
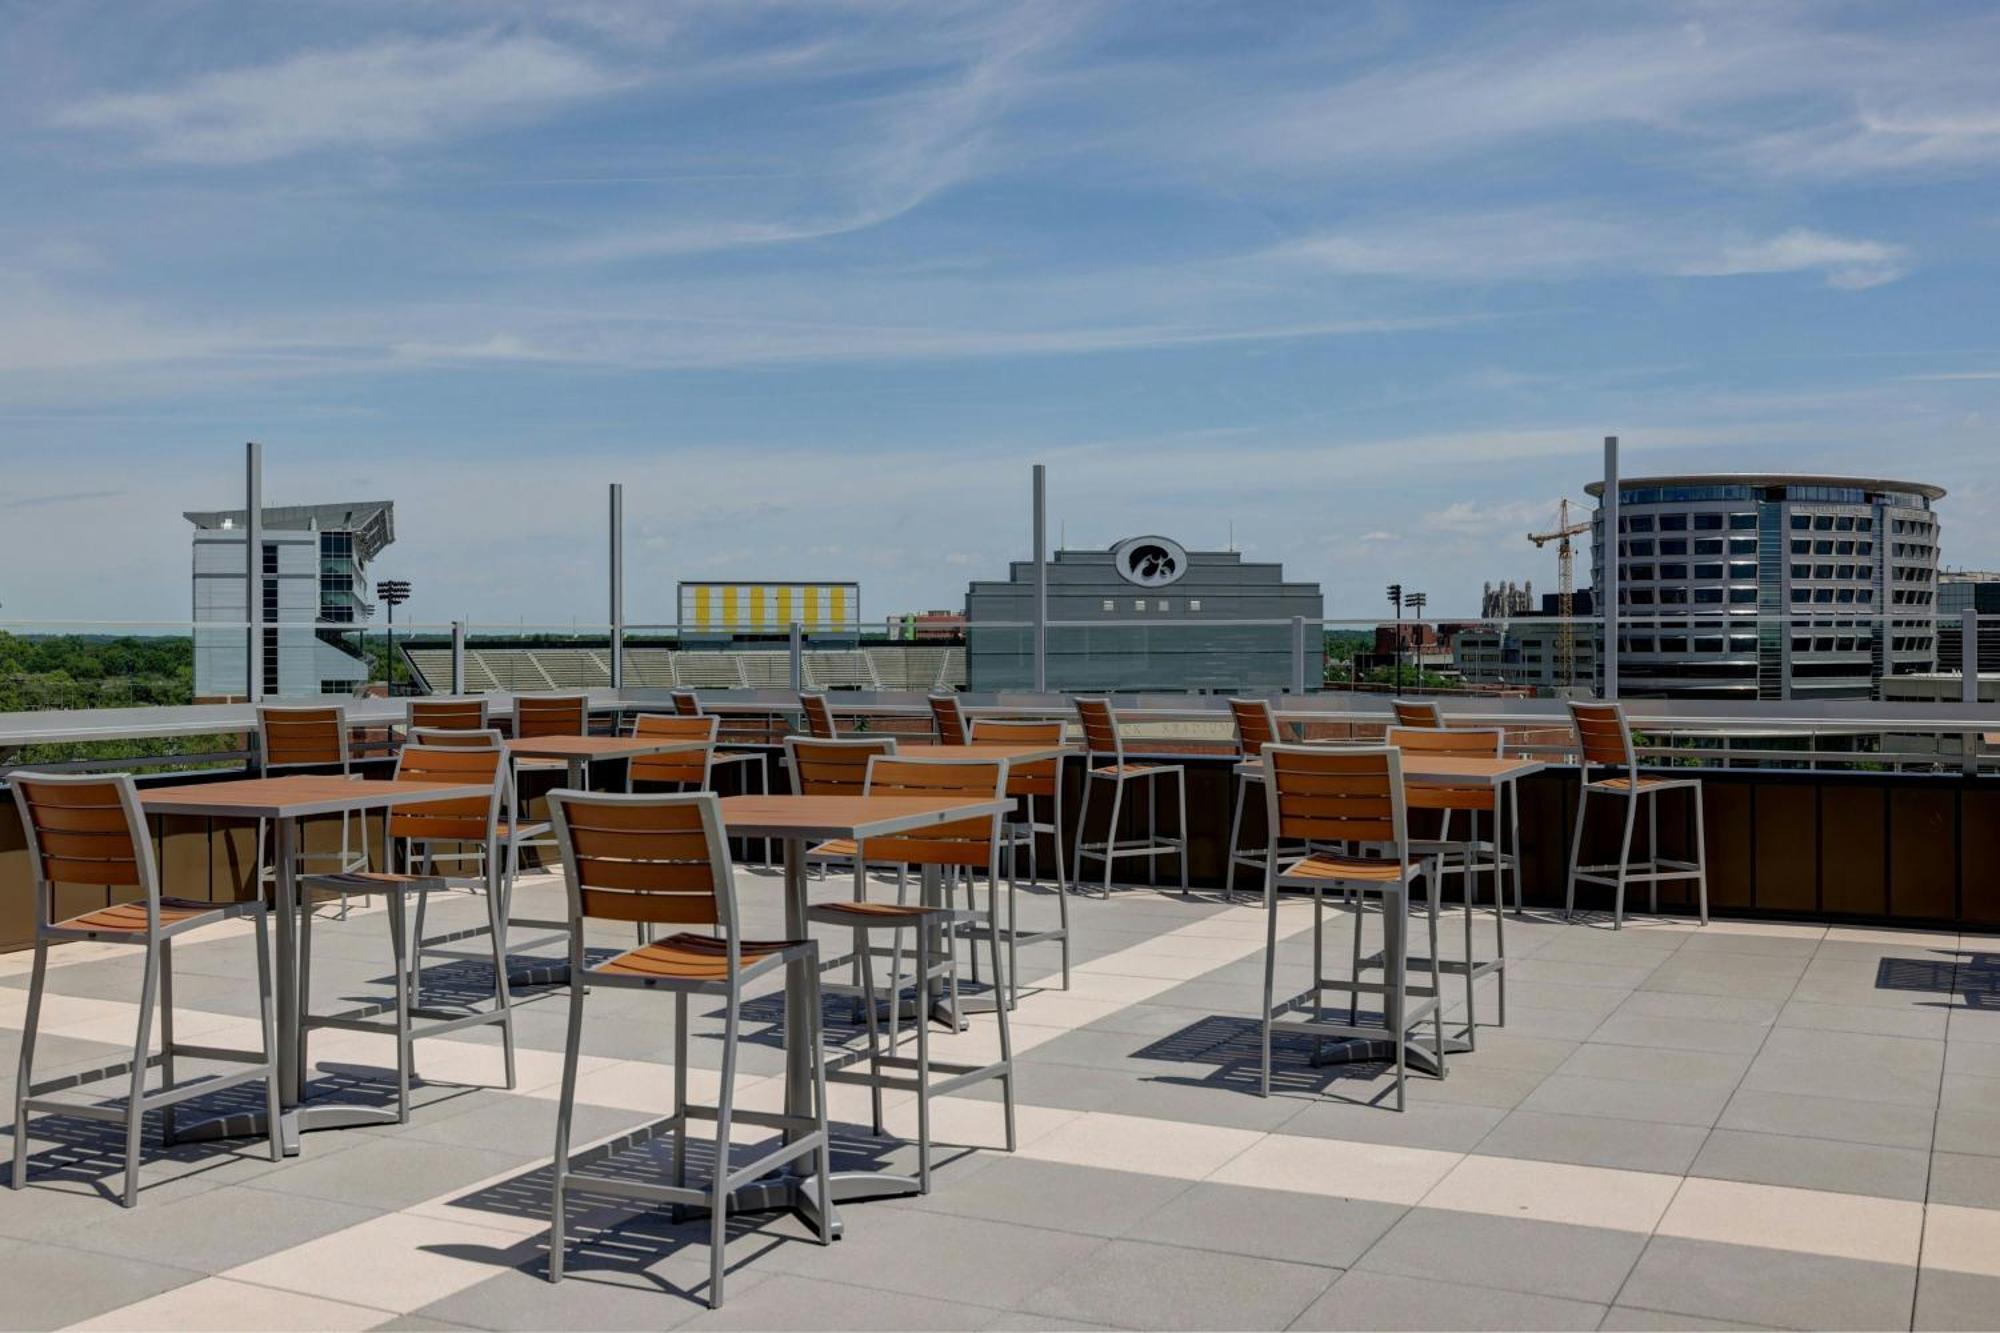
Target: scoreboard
(769,608)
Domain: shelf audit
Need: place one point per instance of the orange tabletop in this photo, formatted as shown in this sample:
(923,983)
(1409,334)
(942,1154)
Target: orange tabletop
(1012,751)
(1443,770)
(296,796)
(575,748)
(857,817)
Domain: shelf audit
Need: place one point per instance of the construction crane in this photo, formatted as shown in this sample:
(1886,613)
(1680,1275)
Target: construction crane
(1565,585)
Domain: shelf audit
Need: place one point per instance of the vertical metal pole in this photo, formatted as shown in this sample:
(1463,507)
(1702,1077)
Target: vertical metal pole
(1608,588)
(617,585)
(798,657)
(1298,654)
(458,657)
(1968,687)
(253,569)
(1041,578)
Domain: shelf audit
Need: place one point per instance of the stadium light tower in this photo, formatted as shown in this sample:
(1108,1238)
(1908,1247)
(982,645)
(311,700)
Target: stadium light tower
(391,593)
(1395,591)
(1416,601)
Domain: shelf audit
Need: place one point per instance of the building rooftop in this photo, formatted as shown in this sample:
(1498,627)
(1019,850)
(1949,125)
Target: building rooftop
(373,522)
(1923,488)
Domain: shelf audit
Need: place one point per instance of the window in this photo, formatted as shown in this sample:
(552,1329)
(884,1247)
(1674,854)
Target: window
(1708,522)
(1639,597)
(1742,546)
(1110,605)
(1708,571)
(1708,546)
(1639,547)
(1801,571)
(1742,569)
(1822,522)
(1708,596)
(1674,546)
(1708,644)
(1639,523)
(1673,571)
(1644,572)
(1673,523)
(1823,548)
(1194,603)
(1822,571)
(1743,522)
(1845,523)
(1165,605)
(1801,522)
(1802,548)
(1138,604)
(1742,596)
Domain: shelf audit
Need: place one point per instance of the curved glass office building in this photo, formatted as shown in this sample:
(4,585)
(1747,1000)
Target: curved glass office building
(1771,586)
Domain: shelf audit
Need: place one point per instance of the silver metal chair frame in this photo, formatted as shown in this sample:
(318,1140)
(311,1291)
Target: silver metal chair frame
(408,947)
(156,989)
(1654,868)
(1154,845)
(800,1136)
(349,859)
(1017,833)
(1399,1013)
(934,926)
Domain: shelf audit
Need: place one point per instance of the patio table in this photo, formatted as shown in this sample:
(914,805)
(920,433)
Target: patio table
(798,821)
(285,801)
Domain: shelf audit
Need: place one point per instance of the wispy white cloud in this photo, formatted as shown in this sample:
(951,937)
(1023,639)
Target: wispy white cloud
(387,94)
(1559,242)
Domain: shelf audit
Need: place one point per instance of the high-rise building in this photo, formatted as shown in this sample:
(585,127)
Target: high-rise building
(1772,586)
(316,596)
(1959,591)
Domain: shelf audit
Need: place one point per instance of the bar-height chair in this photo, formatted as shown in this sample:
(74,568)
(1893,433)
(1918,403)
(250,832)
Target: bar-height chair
(544,715)
(510,835)
(818,716)
(1025,782)
(86,831)
(459,819)
(1256,725)
(662,860)
(1423,713)
(948,720)
(1497,853)
(936,927)
(748,764)
(840,768)
(310,737)
(1604,740)
(1104,762)
(1315,796)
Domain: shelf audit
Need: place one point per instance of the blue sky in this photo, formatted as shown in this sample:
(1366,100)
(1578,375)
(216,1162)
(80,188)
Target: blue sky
(819,281)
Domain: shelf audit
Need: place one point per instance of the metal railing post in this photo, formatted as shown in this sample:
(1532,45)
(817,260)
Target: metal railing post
(1298,654)
(253,570)
(617,585)
(1968,683)
(1608,586)
(798,655)
(1041,579)
(458,657)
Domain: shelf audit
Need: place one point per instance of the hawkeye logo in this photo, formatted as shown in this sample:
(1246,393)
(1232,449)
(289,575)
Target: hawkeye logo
(1150,562)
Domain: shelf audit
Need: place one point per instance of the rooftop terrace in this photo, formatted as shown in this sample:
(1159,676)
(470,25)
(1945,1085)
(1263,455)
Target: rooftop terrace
(1766,1124)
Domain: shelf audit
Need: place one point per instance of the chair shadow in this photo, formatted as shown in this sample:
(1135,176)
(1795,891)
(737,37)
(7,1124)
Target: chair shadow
(1973,978)
(1233,1046)
(610,1236)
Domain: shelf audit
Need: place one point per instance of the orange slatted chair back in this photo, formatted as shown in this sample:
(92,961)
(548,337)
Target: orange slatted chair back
(948,718)
(84,832)
(1100,726)
(687,703)
(1461,743)
(295,737)
(681,766)
(448,714)
(656,859)
(819,717)
(967,842)
(1256,724)
(453,738)
(834,768)
(1038,777)
(551,715)
(1326,795)
(460,819)
(1601,734)
(1418,713)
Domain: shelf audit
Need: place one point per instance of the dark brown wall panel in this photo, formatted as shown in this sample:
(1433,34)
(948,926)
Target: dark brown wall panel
(1979,865)
(1853,836)
(1787,849)
(1731,811)
(1923,852)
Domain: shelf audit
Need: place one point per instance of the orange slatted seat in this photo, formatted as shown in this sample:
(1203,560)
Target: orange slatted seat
(1643,784)
(688,957)
(835,847)
(130,918)
(1329,865)
(896,910)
